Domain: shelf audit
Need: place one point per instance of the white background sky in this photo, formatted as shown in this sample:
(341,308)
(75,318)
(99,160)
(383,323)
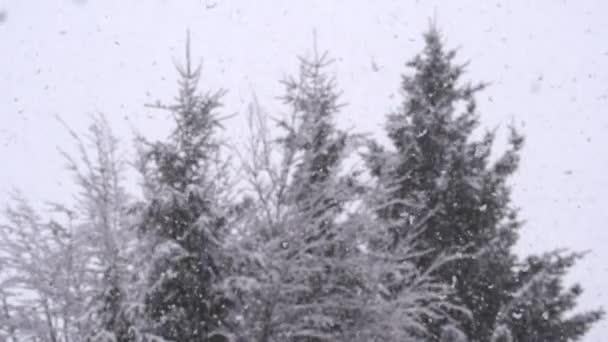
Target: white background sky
(547,62)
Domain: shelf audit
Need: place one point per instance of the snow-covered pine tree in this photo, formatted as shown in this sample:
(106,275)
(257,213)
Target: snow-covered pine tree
(77,267)
(542,311)
(185,212)
(313,261)
(290,246)
(101,202)
(399,295)
(437,161)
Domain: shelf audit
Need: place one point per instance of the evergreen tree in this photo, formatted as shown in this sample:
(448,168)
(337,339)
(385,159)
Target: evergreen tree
(101,204)
(543,310)
(314,261)
(74,268)
(290,264)
(184,212)
(438,163)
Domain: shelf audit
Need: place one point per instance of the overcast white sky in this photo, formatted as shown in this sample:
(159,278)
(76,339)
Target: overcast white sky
(547,62)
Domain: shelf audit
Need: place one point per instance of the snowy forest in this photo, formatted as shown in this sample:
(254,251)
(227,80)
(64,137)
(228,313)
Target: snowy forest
(308,233)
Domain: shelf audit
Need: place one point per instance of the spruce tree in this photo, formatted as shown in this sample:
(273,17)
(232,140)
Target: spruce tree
(315,262)
(437,161)
(543,311)
(291,259)
(98,170)
(184,212)
(74,269)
